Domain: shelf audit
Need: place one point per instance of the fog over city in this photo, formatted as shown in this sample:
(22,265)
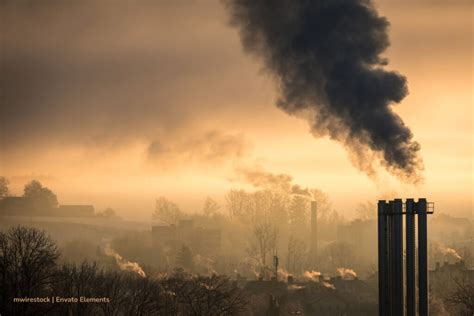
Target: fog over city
(227,157)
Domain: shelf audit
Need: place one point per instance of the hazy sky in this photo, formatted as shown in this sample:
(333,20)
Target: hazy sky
(117,102)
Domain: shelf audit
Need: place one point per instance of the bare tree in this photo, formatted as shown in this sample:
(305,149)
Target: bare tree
(366,211)
(297,252)
(462,296)
(122,293)
(76,281)
(27,268)
(260,205)
(205,295)
(166,211)
(112,285)
(210,208)
(264,242)
(146,297)
(236,201)
(4,191)
(298,212)
(279,209)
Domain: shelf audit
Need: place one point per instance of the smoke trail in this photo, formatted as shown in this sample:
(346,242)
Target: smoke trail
(260,178)
(329,285)
(123,263)
(452,252)
(447,251)
(283,274)
(294,287)
(325,57)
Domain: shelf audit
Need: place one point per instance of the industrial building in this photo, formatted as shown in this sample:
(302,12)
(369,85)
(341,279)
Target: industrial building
(444,276)
(321,296)
(24,206)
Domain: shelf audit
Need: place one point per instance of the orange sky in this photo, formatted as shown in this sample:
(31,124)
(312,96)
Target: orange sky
(90,87)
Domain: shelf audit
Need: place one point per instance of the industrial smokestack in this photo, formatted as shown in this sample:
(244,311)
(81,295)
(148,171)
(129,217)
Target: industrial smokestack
(383,257)
(314,233)
(397,255)
(422,257)
(410,257)
(326,59)
(390,257)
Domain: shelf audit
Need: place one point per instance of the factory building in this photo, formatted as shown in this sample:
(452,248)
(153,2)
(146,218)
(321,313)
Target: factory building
(24,206)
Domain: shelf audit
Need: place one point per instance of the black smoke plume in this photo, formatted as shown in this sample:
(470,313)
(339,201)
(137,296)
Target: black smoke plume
(326,58)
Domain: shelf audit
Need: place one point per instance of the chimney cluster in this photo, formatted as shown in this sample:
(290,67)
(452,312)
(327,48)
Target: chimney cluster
(390,255)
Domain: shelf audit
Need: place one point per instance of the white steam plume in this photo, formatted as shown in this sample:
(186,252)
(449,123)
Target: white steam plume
(346,273)
(312,275)
(123,263)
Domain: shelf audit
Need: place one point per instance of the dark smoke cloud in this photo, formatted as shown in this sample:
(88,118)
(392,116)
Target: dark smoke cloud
(325,56)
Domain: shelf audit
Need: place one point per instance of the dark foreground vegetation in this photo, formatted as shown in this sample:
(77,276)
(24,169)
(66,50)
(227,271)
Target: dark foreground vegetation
(30,270)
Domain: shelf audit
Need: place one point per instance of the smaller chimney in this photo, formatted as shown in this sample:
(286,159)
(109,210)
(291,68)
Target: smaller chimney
(290,279)
(314,233)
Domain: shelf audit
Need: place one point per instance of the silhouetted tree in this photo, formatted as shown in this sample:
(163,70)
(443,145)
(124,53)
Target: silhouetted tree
(167,211)
(41,196)
(210,208)
(279,209)
(112,284)
(108,213)
(27,268)
(4,191)
(263,243)
(76,281)
(147,297)
(297,253)
(366,211)
(298,212)
(127,293)
(260,202)
(236,200)
(205,295)
(462,296)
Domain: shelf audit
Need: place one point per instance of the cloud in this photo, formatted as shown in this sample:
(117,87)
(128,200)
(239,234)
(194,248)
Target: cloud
(99,73)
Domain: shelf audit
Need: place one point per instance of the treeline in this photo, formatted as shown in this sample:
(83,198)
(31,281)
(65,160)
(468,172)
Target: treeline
(29,268)
(261,224)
